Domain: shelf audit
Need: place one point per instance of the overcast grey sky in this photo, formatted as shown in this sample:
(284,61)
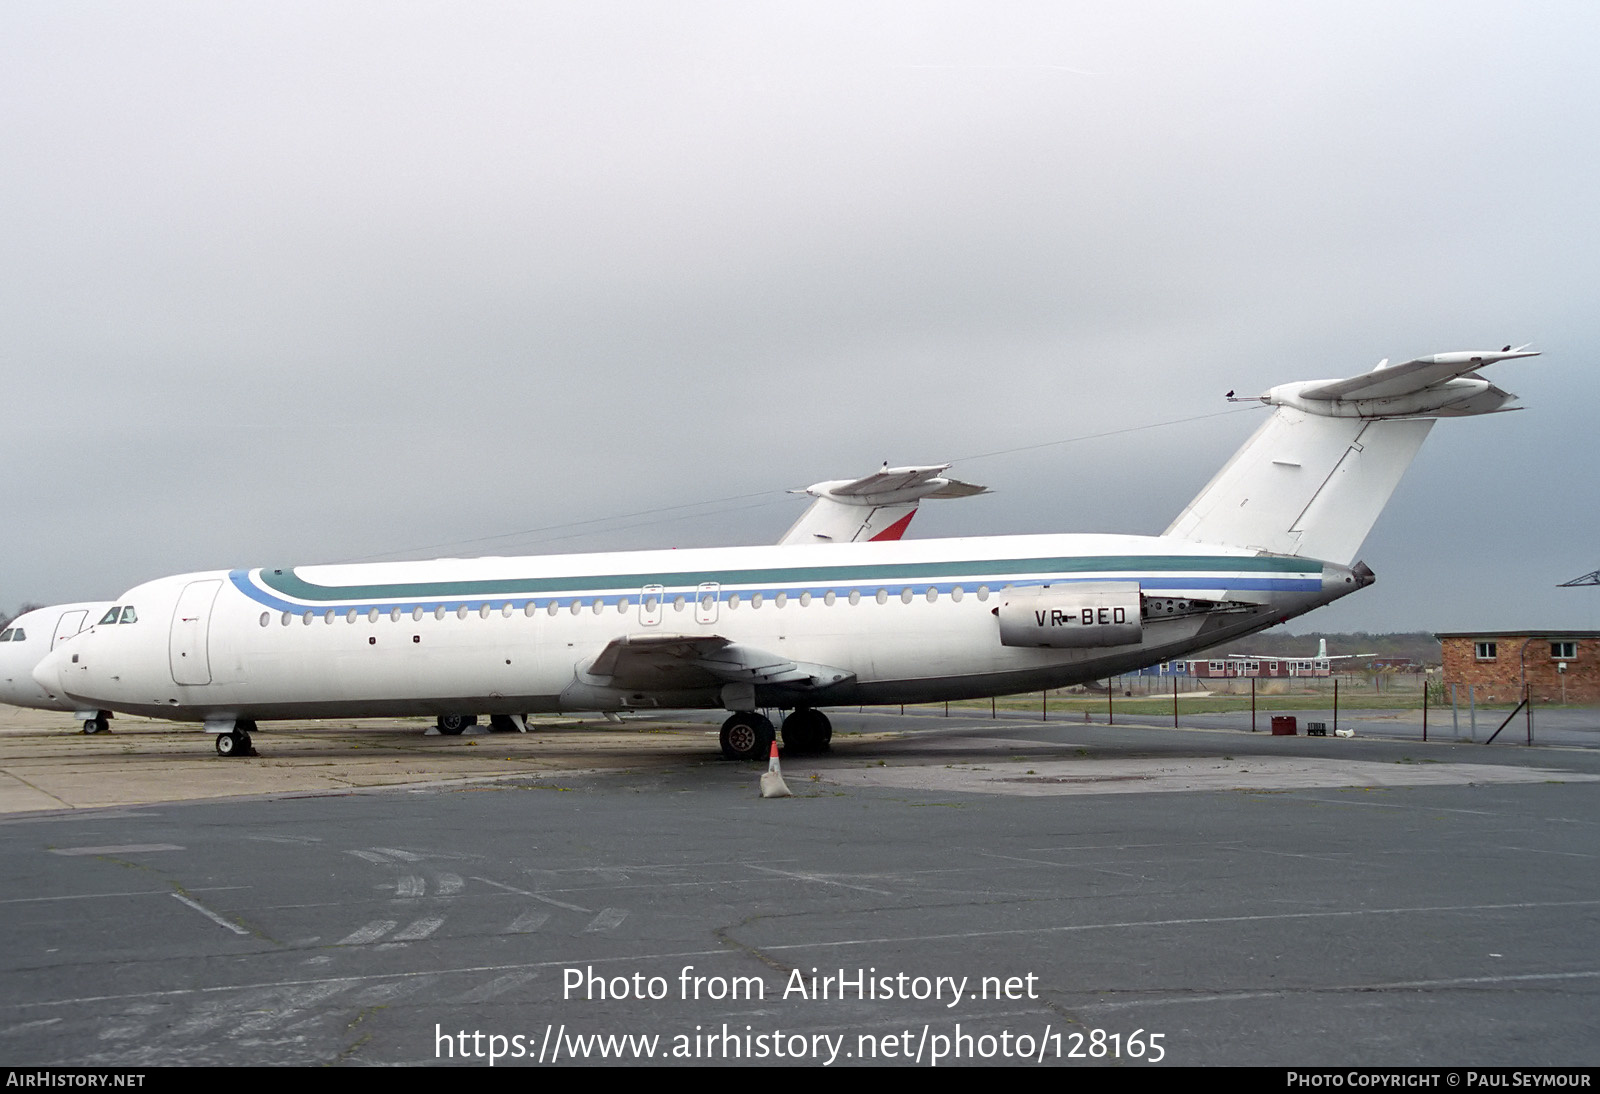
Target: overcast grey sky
(292,283)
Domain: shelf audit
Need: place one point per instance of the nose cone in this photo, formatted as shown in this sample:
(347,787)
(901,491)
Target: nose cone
(48,673)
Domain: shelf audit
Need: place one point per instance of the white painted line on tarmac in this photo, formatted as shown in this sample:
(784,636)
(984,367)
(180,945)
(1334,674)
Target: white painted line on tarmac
(395,852)
(422,928)
(209,914)
(819,879)
(527,923)
(609,919)
(371,932)
(116,849)
(535,896)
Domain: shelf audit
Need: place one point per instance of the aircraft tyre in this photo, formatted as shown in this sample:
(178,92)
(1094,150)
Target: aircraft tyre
(97,724)
(807,730)
(451,725)
(234,743)
(747,735)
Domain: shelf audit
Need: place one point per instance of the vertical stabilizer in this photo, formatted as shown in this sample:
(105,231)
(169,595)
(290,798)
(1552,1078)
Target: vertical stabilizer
(1313,479)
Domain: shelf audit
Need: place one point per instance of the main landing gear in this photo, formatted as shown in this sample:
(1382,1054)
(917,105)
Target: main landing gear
(807,730)
(236,742)
(97,723)
(451,725)
(747,735)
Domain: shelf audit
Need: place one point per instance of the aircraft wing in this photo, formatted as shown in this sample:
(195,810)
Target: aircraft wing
(1387,381)
(670,662)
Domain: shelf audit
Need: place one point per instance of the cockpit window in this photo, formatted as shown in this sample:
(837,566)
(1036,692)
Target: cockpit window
(128,615)
(19,635)
(5,635)
(111,616)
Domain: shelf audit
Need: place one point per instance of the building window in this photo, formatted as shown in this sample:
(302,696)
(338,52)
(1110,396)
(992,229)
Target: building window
(1486,651)
(1563,651)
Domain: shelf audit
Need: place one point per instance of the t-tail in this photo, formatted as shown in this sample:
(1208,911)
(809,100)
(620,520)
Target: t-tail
(876,507)
(1313,479)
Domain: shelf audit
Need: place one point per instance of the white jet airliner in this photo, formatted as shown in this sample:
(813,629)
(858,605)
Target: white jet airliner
(799,628)
(26,640)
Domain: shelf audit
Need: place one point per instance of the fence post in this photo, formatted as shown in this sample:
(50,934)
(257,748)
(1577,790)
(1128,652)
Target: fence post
(1174,702)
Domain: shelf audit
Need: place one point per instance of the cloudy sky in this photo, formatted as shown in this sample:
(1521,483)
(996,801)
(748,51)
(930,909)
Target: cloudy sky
(292,283)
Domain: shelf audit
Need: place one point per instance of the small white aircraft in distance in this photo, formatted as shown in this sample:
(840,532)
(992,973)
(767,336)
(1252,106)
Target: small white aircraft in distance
(26,640)
(800,628)
(1322,655)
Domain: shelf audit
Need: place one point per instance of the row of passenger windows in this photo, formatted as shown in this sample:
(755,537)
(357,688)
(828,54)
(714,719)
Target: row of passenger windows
(623,605)
(122,613)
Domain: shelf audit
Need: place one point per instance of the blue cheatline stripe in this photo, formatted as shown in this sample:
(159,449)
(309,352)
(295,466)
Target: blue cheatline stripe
(470,595)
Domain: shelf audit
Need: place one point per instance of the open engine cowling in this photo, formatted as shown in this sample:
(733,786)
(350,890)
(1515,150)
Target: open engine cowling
(1071,616)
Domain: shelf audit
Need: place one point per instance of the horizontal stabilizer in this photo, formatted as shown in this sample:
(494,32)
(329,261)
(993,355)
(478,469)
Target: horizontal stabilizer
(1441,385)
(878,506)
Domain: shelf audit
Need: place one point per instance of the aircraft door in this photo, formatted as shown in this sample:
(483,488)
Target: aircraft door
(70,624)
(705,602)
(191,629)
(650,598)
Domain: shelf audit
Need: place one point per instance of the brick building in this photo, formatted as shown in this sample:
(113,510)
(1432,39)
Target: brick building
(1556,666)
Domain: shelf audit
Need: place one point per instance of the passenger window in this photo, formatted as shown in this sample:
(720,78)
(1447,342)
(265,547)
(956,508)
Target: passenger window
(828,598)
(677,604)
(855,596)
(129,615)
(555,606)
(110,617)
(780,600)
(905,595)
(372,615)
(883,596)
(805,600)
(416,613)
